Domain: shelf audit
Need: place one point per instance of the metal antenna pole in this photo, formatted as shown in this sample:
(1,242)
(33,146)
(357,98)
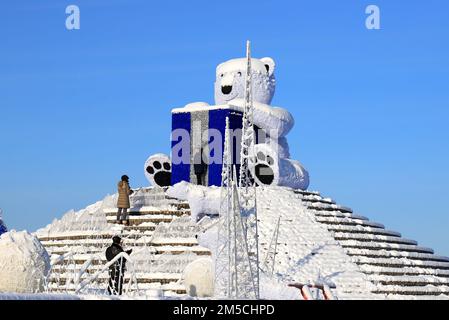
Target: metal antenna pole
(247,190)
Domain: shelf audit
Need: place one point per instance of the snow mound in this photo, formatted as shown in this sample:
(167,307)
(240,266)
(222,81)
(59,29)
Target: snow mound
(199,278)
(24,263)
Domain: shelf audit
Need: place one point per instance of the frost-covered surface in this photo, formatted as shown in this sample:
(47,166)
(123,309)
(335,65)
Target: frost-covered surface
(3,228)
(202,200)
(24,263)
(42,296)
(315,245)
(307,252)
(199,278)
(276,122)
(93,217)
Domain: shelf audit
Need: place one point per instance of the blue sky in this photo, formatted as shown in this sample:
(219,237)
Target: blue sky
(80,108)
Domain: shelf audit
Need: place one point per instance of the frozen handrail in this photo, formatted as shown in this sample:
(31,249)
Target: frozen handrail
(94,277)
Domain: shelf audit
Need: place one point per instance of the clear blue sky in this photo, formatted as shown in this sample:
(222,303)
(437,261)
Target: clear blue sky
(80,108)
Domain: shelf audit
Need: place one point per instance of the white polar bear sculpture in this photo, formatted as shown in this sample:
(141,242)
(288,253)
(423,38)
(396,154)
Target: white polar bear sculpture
(273,166)
(24,263)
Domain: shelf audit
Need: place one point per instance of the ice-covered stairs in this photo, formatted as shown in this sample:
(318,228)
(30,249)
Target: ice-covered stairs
(398,267)
(161,247)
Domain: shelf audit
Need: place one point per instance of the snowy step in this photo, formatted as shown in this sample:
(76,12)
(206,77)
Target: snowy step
(316,198)
(306,193)
(143,227)
(408,280)
(167,288)
(348,221)
(389,271)
(383,246)
(141,241)
(428,290)
(80,258)
(94,250)
(361,229)
(311,201)
(362,237)
(161,278)
(153,246)
(167,262)
(400,262)
(125,231)
(394,254)
(325,207)
(338,214)
(137,220)
(147,211)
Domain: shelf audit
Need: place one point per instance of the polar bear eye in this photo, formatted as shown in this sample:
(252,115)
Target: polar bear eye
(239,73)
(221,75)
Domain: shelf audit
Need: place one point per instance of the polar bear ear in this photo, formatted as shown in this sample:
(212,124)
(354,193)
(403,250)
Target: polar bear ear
(269,64)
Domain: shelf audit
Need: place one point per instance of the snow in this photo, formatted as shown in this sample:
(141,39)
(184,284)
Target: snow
(24,263)
(239,64)
(355,257)
(195,107)
(275,122)
(92,218)
(199,278)
(307,252)
(41,296)
(202,200)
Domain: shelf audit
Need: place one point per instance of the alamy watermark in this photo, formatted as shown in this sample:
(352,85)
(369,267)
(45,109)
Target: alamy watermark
(210,147)
(72,22)
(372,22)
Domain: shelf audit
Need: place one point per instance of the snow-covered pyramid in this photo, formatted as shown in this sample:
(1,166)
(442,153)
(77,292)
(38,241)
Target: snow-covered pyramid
(318,242)
(160,233)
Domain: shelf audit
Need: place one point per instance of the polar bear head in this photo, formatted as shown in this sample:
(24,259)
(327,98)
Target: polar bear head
(230,80)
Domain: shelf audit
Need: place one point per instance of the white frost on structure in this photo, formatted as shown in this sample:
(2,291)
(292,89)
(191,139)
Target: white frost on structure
(24,263)
(307,252)
(276,122)
(202,200)
(92,218)
(199,278)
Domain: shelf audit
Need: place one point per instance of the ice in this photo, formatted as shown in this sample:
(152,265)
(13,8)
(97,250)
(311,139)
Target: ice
(202,200)
(24,263)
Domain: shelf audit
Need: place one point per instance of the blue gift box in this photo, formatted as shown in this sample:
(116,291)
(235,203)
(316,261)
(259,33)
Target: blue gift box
(198,122)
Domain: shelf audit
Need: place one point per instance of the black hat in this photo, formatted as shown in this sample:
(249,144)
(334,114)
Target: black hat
(116,239)
(125,177)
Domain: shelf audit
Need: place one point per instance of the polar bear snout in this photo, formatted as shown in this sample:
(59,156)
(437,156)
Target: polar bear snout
(226,89)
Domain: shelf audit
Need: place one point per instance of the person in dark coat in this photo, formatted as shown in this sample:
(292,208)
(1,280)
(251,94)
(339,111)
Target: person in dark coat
(123,204)
(118,268)
(199,167)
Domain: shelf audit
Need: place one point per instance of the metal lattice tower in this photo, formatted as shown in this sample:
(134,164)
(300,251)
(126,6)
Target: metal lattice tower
(270,258)
(237,258)
(233,277)
(247,188)
(223,260)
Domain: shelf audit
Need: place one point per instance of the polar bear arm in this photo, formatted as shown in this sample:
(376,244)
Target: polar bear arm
(277,122)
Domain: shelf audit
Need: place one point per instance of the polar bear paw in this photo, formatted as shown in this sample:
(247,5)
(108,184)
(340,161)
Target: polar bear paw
(266,167)
(158,170)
